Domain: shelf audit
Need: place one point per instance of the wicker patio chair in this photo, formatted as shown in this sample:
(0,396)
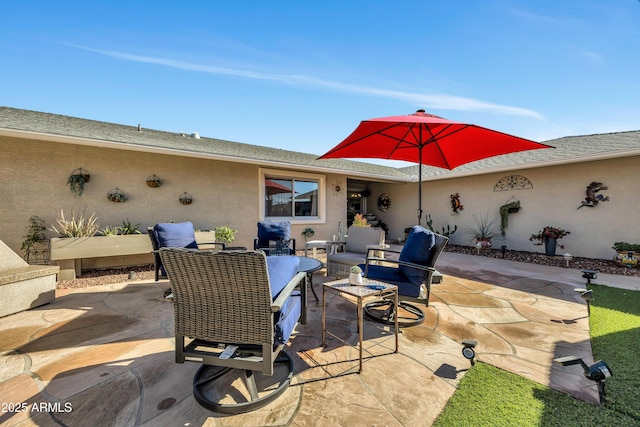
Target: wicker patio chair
(173,235)
(234,313)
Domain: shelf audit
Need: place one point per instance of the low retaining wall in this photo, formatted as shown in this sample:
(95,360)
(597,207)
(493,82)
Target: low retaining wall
(24,286)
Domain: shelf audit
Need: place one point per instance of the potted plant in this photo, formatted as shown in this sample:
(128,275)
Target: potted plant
(484,230)
(355,275)
(185,198)
(360,221)
(153,181)
(628,254)
(128,228)
(505,210)
(548,237)
(79,225)
(225,234)
(77,179)
(34,237)
(307,233)
(116,195)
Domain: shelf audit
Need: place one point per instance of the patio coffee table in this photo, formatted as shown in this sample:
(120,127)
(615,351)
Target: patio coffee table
(360,293)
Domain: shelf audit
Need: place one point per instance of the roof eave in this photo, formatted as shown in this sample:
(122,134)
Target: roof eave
(66,139)
(532,165)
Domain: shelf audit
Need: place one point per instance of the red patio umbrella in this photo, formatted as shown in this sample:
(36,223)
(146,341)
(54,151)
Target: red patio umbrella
(427,139)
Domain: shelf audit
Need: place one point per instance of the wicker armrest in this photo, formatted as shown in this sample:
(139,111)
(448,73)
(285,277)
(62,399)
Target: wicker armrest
(221,244)
(286,292)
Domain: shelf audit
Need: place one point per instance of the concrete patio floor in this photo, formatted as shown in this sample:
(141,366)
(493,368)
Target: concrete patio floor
(104,355)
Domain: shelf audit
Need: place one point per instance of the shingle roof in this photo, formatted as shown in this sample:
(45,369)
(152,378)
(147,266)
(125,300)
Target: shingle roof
(83,131)
(569,149)
(130,137)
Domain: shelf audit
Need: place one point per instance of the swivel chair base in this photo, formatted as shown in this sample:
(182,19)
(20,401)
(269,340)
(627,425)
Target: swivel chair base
(383,311)
(207,374)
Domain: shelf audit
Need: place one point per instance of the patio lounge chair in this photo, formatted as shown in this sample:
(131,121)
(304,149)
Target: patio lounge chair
(413,273)
(234,313)
(173,235)
(274,238)
(359,241)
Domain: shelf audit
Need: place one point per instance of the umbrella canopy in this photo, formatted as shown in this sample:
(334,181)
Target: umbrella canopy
(427,139)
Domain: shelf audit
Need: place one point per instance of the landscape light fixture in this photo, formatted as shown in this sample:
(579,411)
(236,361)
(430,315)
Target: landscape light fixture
(589,275)
(503,248)
(587,295)
(567,258)
(598,371)
(468,350)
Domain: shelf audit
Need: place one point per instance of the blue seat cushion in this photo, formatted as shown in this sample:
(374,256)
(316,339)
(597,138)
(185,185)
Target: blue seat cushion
(287,318)
(281,270)
(175,235)
(268,230)
(418,249)
(393,276)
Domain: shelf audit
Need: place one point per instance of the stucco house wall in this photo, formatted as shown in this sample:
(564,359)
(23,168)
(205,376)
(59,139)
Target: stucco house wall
(34,175)
(554,200)
(38,151)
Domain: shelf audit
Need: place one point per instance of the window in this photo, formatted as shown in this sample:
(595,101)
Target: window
(293,196)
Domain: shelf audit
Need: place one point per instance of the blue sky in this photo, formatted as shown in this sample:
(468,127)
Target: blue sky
(301,75)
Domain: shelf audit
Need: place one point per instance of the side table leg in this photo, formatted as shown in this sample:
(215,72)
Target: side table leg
(395,301)
(360,332)
(310,278)
(324,314)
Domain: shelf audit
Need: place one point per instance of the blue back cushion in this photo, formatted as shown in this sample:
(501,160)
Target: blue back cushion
(281,270)
(175,235)
(273,231)
(417,250)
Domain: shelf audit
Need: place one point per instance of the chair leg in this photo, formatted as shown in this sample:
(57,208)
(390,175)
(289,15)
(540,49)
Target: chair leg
(383,311)
(206,377)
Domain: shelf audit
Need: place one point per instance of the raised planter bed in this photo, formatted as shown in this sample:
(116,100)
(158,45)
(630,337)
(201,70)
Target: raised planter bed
(75,254)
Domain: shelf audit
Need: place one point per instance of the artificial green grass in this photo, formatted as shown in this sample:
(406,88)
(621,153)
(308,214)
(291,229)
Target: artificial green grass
(488,396)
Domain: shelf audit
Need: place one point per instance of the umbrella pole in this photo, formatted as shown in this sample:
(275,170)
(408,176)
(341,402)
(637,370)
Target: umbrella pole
(420,178)
(420,194)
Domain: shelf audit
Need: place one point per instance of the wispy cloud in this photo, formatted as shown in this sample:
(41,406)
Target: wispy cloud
(439,101)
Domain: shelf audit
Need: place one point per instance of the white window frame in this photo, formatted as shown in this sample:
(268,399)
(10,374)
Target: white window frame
(321,218)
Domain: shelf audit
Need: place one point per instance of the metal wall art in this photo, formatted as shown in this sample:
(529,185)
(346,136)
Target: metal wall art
(384,202)
(513,182)
(593,198)
(455,203)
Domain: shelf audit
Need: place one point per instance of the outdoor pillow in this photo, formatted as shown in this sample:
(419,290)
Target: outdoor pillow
(417,250)
(175,235)
(267,230)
